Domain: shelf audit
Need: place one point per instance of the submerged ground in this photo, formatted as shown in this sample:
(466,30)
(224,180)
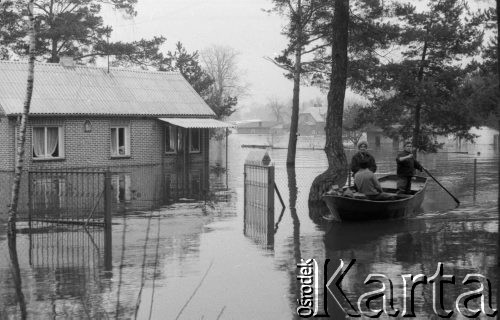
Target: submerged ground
(192,260)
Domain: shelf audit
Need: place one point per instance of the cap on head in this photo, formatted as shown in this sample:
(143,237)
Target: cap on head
(407,143)
(363,143)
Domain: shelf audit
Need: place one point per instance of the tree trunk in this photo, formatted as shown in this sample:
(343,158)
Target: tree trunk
(418,108)
(294,123)
(22,128)
(498,123)
(337,162)
(16,273)
(416,129)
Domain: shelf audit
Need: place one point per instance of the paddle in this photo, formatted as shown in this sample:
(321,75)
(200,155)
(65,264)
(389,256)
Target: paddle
(430,175)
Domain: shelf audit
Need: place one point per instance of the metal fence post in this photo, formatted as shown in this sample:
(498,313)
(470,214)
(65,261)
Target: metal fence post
(475,179)
(245,196)
(270,205)
(30,204)
(108,264)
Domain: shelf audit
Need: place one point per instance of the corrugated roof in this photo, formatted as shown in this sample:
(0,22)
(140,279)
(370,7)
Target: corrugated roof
(84,90)
(197,123)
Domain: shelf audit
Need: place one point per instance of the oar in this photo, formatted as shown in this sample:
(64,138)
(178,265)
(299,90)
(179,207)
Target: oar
(430,175)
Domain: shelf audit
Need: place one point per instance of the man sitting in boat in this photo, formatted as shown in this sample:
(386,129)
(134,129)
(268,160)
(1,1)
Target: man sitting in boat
(366,183)
(406,168)
(362,154)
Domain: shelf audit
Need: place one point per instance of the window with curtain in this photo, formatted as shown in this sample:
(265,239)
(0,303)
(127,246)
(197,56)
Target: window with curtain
(120,141)
(170,139)
(47,142)
(194,140)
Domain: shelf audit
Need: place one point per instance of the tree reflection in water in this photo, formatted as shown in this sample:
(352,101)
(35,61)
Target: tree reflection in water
(16,272)
(292,189)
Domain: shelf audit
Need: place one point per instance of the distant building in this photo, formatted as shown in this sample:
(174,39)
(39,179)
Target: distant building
(486,136)
(376,138)
(312,121)
(259,127)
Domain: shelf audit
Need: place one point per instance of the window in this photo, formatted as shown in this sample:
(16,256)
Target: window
(170,139)
(120,141)
(194,140)
(47,143)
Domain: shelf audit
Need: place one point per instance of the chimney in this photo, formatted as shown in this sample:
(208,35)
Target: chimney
(67,61)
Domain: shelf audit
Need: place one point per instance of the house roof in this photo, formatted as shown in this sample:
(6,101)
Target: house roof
(316,113)
(197,123)
(87,90)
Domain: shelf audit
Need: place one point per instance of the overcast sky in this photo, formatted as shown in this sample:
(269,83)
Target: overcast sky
(240,24)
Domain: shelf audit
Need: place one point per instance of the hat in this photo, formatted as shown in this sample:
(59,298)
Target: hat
(361,143)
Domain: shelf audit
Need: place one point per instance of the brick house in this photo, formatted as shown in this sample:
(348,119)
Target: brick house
(86,117)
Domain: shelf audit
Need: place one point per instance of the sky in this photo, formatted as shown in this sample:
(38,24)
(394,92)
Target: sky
(240,24)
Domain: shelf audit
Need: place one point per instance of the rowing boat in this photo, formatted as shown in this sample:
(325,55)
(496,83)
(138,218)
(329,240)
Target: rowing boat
(345,205)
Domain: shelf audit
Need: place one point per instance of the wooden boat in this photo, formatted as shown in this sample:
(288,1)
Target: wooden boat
(347,208)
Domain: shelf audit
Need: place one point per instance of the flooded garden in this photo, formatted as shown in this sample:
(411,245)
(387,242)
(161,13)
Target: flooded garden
(190,256)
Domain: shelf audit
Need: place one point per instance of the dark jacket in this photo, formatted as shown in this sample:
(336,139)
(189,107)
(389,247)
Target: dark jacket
(407,167)
(356,159)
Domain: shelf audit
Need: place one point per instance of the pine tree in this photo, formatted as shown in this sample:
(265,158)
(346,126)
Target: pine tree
(418,91)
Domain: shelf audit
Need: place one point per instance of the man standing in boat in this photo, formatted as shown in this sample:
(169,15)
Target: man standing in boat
(362,155)
(406,168)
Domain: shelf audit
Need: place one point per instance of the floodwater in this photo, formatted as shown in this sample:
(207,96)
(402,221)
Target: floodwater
(192,260)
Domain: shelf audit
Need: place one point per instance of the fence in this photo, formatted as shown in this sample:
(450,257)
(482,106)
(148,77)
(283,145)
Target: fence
(69,197)
(259,198)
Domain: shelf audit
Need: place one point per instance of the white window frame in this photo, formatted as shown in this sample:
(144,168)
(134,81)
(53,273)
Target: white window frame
(60,143)
(127,141)
(171,131)
(191,150)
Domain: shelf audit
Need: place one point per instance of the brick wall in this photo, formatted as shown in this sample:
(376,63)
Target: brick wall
(93,149)
(7,143)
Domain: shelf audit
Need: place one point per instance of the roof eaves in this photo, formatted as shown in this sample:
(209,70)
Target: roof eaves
(190,115)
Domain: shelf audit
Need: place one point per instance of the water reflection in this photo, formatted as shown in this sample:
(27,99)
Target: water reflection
(16,274)
(161,255)
(413,246)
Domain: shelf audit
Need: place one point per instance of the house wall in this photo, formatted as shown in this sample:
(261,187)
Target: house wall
(309,126)
(93,149)
(377,139)
(7,143)
(149,177)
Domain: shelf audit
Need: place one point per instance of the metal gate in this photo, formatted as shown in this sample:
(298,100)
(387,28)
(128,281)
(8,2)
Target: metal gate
(69,197)
(259,198)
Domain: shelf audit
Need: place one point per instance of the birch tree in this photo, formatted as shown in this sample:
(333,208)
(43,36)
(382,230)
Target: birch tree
(19,164)
(24,119)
